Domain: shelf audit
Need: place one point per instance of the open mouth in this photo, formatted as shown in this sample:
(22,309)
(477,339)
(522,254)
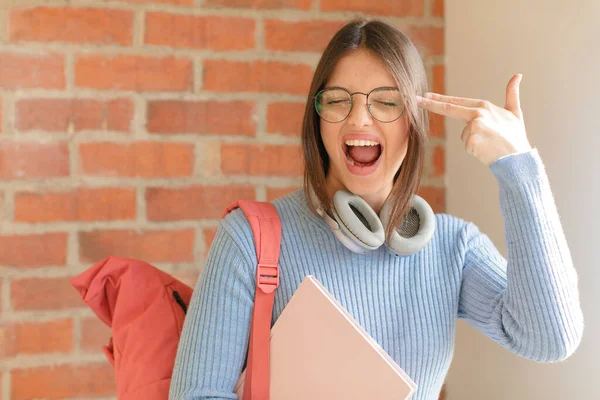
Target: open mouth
(362,153)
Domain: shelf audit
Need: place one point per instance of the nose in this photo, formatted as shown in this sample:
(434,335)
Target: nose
(359,114)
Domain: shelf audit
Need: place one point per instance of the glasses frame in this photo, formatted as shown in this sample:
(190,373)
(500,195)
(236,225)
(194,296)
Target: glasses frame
(352,102)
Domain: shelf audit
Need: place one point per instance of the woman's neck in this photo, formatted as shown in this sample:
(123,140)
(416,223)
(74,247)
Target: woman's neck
(375,199)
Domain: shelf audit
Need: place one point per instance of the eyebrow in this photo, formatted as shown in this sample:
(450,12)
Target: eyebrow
(379,87)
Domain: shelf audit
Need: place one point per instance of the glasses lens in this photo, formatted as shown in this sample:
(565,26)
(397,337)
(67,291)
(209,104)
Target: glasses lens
(386,105)
(333,105)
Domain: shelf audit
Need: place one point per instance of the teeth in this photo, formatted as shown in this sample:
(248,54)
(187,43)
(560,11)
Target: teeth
(355,142)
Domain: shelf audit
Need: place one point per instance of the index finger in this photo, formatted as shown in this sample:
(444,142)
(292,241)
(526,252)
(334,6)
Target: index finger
(448,109)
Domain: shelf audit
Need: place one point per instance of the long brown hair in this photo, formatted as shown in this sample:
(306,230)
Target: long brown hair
(401,57)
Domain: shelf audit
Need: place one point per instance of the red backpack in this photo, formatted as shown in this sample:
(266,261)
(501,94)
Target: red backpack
(146,307)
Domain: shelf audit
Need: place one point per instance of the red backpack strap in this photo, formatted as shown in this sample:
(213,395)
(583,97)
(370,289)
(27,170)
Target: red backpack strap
(266,228)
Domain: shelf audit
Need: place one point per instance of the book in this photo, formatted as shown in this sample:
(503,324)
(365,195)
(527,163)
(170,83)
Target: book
(319,351)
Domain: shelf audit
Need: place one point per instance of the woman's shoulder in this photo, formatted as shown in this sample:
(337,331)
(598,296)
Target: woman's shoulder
(291,208)
(449,223)
(295,214)
(454,228)
(460,233)
(291,203)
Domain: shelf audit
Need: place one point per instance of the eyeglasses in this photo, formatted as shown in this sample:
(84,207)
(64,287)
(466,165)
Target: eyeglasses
(334,104)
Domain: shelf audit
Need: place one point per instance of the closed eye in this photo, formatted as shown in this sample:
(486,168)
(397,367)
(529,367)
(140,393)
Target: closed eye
(337,101)
(388,104)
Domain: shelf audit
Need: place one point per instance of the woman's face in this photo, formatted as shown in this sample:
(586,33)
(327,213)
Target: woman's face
(367,171)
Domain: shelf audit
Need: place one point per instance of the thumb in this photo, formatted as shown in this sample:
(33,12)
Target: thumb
(513,103)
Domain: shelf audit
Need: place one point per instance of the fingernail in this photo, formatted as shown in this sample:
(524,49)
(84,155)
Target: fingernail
(419,99)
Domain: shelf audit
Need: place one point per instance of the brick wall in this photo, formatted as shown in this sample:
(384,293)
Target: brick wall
(126,127)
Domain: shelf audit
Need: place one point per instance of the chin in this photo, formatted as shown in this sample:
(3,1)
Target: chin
(364,186)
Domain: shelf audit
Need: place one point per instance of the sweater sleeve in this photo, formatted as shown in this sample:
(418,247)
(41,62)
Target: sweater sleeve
(529,303)
(214,341)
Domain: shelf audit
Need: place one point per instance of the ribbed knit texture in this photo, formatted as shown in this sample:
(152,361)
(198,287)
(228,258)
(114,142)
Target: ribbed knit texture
(408,304)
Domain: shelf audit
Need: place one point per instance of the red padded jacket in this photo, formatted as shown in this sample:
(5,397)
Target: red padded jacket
(146,307)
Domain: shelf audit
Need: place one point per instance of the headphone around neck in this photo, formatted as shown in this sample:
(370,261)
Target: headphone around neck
(360,229)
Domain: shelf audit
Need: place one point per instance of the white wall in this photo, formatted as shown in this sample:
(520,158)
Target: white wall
(555,45)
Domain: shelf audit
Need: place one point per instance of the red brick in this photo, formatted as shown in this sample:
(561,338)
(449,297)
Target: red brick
(285,118)
(131,72)
(299,36)
(200,32)
(260,4)
(94,335)
(140,159)
(437,8)
(437,125)
(213,117)
(119,115)
(435,196)
(263,160)
(73,25)
(49,294)
(63,115)
(26,160)
(85,204)
(439,81)
(257,76)
(33,250)
(438,162)
(176,2)
(428,39)
(209,236)
(38,338)
(275,193)
(22,71)
(407,8)
(151,246)
(63,381)
(194,202)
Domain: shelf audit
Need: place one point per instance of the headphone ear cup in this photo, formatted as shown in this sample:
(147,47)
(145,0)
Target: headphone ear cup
(407,243)
(357,220)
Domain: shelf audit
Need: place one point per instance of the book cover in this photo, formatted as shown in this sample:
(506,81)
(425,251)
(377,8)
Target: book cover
(319,351)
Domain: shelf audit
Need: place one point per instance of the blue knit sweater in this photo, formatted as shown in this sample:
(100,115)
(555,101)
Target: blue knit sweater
(409,304)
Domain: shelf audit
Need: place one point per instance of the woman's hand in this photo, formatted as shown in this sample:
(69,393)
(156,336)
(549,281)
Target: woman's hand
(491,132)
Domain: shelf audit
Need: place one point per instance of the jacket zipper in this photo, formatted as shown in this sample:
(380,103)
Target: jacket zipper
(179,301)
(177,309)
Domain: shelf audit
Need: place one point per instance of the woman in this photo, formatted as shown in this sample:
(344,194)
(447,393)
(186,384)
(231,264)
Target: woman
(364,136)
